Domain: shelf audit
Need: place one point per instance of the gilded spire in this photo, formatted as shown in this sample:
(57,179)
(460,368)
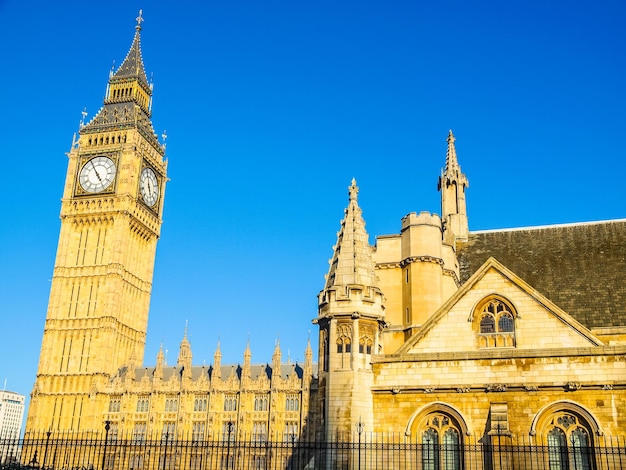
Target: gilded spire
(352,258)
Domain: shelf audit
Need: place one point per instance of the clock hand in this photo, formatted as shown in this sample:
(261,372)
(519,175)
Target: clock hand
(95,170)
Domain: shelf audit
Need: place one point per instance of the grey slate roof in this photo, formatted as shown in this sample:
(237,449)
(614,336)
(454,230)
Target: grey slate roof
(133,67)
(579,267)
(256,370)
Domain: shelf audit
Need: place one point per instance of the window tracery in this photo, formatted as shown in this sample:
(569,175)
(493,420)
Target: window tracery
(344,344)
(496,323)
(569,442)
(440,438)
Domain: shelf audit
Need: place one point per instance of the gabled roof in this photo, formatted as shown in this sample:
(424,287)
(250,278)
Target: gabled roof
(579,267)
(492,263)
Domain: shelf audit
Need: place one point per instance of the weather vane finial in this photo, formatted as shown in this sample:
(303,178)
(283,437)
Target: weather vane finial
(139,20)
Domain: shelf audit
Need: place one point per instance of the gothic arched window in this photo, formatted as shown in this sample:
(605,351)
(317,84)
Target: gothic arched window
(496,323)
(568,430)
(569,443)
(440,441)
(344,344)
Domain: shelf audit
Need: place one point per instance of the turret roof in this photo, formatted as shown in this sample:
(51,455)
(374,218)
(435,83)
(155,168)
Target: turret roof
(352,261)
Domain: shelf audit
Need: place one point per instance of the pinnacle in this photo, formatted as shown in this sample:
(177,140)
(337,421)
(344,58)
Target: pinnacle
(452,163)
(352,261)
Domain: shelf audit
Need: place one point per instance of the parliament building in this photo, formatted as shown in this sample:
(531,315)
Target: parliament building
(435,332)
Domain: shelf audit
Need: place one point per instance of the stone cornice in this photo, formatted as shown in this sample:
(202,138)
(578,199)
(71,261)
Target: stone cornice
(500,388)
(497,353)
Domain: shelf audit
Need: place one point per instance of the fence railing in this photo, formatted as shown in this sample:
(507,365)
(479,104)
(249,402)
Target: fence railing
(49,451)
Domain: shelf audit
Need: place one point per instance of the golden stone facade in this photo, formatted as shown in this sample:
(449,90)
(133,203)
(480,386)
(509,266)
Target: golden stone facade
(93,346)
(427,335)
(436,333)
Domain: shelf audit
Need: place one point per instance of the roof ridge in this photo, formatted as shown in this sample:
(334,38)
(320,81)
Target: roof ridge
(541,227)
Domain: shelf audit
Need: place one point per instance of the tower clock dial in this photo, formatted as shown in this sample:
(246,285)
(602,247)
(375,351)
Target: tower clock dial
(149,186)
(97,174)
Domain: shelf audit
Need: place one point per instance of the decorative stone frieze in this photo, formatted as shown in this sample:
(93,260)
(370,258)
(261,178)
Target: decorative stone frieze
(573,386)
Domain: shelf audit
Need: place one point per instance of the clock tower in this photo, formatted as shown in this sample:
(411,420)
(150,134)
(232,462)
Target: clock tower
(110,223)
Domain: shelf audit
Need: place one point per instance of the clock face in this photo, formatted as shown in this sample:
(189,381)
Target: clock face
(97,174)
(149,186)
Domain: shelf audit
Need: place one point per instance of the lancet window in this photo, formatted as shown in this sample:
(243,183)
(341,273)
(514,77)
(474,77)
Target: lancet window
(344,344)
(200,403)
(292,403)
(171,405)
(143,404)
(230,403)
(260,403)
(115,405)
(197,431)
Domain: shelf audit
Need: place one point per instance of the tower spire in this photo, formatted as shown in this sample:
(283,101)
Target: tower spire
(217,362)
(247,355)
(350,311)
(452,184)
(184,356)
(132,66)
(127,103)
(352,257)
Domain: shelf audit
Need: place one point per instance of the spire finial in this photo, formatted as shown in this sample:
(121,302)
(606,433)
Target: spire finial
(139,20)
(82,121)
(353,190)
(452,164)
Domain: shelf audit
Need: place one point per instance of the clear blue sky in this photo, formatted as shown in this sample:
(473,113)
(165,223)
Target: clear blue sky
(271,108)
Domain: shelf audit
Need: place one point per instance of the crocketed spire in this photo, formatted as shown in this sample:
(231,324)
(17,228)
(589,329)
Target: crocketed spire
(132,66)
(247,355)
(352,258)
(452,184)
(217,362)
(128,99)
(184,353)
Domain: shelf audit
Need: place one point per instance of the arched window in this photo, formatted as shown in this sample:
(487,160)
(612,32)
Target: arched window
(568,430)
(365,345)
(344,344)
(569,443)
(324,348)
(496,323)
(440,443)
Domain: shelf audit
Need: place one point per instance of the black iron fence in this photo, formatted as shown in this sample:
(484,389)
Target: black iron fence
(50,451)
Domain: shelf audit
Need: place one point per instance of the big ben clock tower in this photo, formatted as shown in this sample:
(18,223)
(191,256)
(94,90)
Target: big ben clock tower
(110,223)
